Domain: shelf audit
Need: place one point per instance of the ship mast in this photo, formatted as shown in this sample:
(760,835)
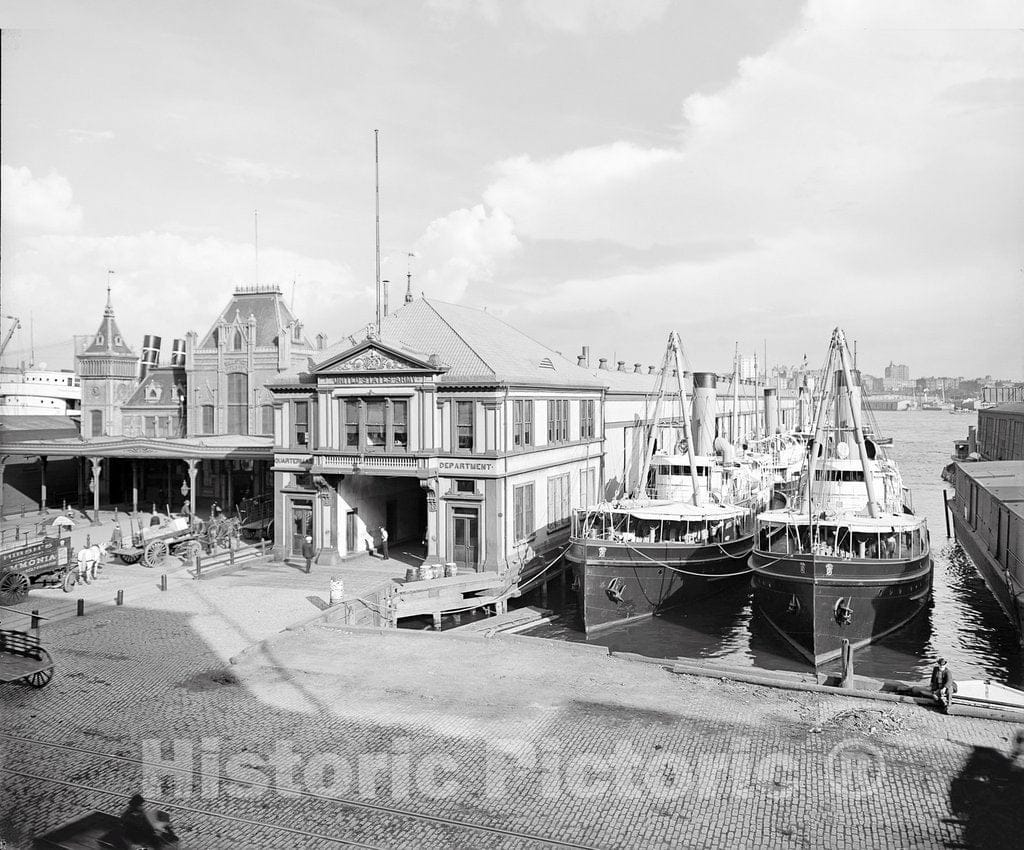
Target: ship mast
(858,433)
(677,348)
(652,437)
(818,442)
(734,429)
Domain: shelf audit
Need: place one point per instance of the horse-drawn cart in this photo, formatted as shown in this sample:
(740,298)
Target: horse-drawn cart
(150,545)
(42,560)
(23,659)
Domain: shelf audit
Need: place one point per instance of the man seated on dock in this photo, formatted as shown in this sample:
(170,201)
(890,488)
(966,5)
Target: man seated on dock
(942,681)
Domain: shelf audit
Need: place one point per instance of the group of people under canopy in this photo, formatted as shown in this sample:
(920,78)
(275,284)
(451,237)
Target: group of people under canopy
(840,541)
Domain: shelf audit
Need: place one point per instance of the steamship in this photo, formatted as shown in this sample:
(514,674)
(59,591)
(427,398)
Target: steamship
(686,530)
(851,561)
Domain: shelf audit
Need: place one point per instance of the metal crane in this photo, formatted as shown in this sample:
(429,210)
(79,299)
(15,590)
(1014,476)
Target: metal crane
(9,334)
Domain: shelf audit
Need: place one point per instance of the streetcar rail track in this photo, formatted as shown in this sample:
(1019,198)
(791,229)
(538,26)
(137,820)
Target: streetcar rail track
(375,808)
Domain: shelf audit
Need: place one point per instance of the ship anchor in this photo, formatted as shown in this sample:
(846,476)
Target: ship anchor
(615,588)
(844,613)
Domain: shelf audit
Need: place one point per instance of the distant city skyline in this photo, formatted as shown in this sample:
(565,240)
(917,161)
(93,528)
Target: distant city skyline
(595,173)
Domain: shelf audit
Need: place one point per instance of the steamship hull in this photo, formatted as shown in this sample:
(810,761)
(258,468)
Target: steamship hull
(619,583)
(813,603)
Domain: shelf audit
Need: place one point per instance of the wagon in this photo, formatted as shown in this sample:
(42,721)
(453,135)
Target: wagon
(42,561)
(22,659)
(150,545)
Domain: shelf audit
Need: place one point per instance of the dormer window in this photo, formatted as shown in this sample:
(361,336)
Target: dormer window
(117,340)
(237,345)
(99,339)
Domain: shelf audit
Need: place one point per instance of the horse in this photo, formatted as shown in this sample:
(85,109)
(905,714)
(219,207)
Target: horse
(89,558)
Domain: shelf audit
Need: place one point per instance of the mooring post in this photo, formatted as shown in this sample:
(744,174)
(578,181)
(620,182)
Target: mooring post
(847,658)
(437,621)
(81,607)
(35,618)
(163,581)
(544,594)
(231,550)
(945,511)
(120,597)
(198,563)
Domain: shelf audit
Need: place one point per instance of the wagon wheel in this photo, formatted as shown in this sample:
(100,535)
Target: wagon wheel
(69,581)
(42,678)
(129,557)
(154,554)
(13,587)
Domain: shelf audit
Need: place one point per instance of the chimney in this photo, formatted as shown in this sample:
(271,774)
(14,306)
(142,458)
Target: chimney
(581,359)
(638,368)
(602,363)
(652,370)
(586,355)
(705,409)
(321,341)
(622,366)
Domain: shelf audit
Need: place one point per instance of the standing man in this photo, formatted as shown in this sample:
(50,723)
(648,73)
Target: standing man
(308,552)
(384,542)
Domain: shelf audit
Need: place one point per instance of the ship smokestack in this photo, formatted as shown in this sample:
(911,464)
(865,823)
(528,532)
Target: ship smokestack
(178,352)
(150,354)
(845,401)
(771,411)
(705,409)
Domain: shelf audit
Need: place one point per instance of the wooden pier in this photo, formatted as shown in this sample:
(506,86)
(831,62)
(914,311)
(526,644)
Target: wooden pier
(450,595)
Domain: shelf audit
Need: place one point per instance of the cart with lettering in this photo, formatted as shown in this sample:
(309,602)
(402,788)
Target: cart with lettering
(151,544)
(34,561)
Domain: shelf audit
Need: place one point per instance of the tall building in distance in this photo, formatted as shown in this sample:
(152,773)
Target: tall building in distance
(897,378)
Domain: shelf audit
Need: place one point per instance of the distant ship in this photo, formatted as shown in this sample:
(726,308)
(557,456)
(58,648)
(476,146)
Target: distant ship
(850,560)
(40,392)
(686,529)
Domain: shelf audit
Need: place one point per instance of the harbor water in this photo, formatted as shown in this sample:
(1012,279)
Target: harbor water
(963,623)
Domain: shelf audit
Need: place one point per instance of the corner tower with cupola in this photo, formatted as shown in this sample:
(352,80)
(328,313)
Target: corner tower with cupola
(109,372)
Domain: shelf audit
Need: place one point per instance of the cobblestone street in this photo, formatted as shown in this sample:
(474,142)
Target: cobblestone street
(328,736)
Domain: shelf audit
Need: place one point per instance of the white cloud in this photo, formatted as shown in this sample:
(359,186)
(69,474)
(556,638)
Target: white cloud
(38,204)
(247,169)
(886,136)
(164,283)
(466,245)
(80,136)
(573,17)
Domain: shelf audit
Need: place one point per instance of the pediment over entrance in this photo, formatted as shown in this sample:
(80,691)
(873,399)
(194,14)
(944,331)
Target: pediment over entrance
(373,357)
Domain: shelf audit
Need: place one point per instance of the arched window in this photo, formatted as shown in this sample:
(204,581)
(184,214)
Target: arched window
(96,423)
(238,403)
(237,345)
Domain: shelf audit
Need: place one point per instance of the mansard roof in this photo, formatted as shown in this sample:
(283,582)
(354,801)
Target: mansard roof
(159,388)
(108,340)
(266,305)
(473,344)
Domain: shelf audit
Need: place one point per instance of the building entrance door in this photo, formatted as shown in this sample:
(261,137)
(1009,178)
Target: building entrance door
(350,532)
(302,523)
(465,537)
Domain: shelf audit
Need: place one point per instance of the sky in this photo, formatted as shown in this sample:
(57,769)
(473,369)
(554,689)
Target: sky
(595,172)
